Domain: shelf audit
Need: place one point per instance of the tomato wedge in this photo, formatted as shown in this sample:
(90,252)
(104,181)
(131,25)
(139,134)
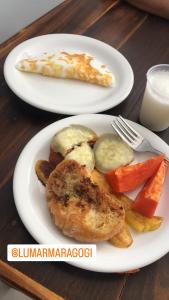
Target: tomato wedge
(147,200)
(125,179)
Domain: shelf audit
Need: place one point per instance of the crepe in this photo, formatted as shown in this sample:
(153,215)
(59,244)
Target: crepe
(80,66)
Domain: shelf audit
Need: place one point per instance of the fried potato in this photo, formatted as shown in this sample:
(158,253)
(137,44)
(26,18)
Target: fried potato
(141,223)
(137,221)
(123,239)
(43,169)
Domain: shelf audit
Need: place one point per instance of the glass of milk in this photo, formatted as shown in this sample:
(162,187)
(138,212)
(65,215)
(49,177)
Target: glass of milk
(154,112)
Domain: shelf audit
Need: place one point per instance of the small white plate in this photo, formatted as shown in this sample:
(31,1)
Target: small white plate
(31,204)
(63,95)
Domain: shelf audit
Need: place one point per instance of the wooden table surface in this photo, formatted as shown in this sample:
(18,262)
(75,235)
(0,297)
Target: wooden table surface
(144,40)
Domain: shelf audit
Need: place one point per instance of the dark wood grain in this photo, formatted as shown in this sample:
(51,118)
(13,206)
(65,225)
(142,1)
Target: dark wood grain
(150,283)
(71,16)
(117,27)
(18,280)
(143,40)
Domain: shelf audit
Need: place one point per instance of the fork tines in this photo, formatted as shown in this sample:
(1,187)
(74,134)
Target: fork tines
(127,132)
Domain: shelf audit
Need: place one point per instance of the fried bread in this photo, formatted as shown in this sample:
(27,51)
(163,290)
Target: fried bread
(79,207)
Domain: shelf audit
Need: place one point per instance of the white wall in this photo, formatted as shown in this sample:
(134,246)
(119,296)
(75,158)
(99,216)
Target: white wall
(16,14)
(7,293)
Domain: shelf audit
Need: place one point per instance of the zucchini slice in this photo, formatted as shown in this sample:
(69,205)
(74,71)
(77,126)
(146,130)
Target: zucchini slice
(111,153)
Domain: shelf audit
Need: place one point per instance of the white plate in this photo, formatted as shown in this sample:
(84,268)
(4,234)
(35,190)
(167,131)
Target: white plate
(31,203)
(68,96)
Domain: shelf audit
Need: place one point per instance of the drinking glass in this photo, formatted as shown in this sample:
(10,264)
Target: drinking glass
(154,112)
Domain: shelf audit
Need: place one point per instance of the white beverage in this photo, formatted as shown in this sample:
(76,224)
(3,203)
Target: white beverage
(154,112)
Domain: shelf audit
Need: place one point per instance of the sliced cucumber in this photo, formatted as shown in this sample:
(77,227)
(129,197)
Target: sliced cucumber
(71,136)
(111,152)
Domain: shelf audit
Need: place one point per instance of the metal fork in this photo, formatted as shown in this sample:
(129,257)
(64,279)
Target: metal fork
(134,139)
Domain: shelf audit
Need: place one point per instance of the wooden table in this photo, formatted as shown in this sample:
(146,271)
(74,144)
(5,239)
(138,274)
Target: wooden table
(144,40)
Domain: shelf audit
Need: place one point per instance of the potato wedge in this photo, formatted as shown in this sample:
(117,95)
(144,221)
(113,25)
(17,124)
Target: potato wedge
(123,239)
(137,221)
(43,169)
(141,223)
(67,138)
(84,155)
(111,152)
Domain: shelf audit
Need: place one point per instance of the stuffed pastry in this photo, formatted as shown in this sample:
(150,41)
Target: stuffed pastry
(80,66)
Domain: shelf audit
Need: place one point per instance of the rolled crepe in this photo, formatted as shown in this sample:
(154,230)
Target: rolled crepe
(80,66)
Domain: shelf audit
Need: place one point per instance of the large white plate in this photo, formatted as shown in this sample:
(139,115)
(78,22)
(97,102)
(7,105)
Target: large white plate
(68,96)
(31,203)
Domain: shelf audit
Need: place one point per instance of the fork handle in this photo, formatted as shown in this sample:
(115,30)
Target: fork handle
(145,146)
(154,150)
(159,152)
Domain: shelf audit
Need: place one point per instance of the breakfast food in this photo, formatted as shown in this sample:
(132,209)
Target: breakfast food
(86,203)
(123,239)
(69,137)
(111,152)
(84,155)
(80,208)
(63,64)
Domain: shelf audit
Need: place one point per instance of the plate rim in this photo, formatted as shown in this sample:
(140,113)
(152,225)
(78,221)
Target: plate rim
(29,227)
(67,111)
